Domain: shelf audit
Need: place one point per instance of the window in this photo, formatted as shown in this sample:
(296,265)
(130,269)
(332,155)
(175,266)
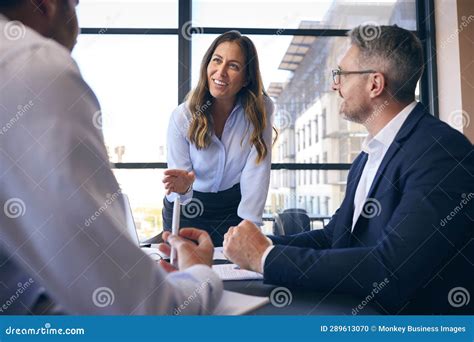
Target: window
(304,137)
(317,171)
(316,130)
(325,173)
(134,117)
(142,57)
(325,210)
(106,14)
(304,175)
(323,123)
(309,134)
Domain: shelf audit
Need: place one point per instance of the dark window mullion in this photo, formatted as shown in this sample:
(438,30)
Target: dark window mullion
(130,31)
(275,166)
(273,31)
(184,49)
(425,22)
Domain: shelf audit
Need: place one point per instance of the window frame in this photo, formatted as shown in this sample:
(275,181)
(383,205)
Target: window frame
(425,22)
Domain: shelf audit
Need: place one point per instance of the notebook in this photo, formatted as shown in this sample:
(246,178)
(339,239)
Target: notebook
(233,272)
(233,303)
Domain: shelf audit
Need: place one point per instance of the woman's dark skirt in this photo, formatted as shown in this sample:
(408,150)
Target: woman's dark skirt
(209,211)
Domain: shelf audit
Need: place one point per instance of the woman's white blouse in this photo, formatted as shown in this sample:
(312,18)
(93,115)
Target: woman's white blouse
(224,162)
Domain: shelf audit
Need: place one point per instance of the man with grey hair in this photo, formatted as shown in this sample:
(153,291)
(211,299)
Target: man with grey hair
(407,217)
(64,247)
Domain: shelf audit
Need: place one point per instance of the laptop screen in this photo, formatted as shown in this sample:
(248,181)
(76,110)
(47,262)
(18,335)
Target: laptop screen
(131,228)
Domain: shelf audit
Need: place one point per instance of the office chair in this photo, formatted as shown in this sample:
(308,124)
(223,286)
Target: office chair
(291,221)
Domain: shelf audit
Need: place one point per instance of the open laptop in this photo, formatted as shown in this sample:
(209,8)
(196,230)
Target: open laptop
(153,253)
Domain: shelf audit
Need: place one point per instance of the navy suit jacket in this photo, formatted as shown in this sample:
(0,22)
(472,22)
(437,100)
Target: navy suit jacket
(413,250)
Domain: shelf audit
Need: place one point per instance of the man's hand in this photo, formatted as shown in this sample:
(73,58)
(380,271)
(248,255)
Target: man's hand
(244,245)
(193,247)
(178,181)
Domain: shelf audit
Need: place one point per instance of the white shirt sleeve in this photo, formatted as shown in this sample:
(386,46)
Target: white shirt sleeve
(255,178)
(64,224)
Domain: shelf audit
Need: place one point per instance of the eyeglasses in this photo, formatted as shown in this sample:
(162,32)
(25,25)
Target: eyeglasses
(336,74)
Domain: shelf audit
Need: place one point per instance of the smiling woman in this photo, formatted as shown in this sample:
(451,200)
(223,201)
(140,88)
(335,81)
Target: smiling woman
(219,142)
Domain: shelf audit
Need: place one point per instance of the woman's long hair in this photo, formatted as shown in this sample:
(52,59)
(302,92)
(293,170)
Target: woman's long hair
(251,95)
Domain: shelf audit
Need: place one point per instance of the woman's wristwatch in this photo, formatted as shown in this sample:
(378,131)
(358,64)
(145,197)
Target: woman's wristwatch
(190,187)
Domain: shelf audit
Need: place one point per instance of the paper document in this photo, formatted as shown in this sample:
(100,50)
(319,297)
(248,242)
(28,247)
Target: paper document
(219,253)
(233,272)
(233,303)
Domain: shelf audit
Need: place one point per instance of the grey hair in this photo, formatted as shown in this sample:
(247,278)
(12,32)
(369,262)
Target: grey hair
(395,52)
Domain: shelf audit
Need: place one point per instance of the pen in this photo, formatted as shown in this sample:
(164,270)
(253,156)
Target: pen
(175,229)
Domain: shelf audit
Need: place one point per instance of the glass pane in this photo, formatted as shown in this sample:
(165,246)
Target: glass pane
(128,13)
(296,73)
(337,14)
(319,192)
(137,86)
(145,192)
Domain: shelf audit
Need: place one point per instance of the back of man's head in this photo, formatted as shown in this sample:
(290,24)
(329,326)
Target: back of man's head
(55,19)
(393,51)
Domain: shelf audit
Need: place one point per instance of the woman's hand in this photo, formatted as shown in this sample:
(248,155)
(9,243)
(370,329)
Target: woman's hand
(178,181)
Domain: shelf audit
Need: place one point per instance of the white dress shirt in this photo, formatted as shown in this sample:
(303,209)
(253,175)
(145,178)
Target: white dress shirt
(226,161)
(376,147)
(62,227)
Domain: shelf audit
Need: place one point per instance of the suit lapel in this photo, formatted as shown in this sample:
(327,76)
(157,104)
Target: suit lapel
(342,236)
(392,150)
(406,128)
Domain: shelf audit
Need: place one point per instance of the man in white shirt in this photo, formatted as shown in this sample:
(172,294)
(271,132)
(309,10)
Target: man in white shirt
(63,240)
(406,219)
